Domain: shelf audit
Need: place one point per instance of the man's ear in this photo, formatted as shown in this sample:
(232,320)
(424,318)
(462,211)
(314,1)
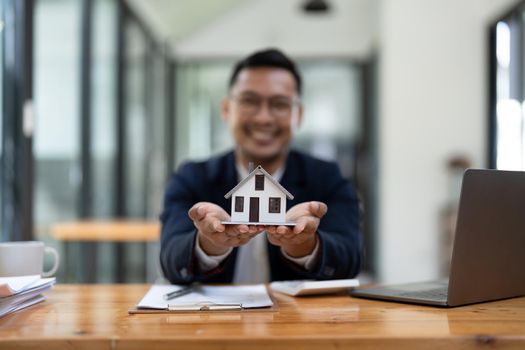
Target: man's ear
(225,108)
(297,118)
(301,114)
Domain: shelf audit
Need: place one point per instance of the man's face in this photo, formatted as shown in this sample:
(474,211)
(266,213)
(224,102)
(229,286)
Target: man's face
(262,110)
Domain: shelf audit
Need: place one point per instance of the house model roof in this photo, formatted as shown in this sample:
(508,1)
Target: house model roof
(259,169)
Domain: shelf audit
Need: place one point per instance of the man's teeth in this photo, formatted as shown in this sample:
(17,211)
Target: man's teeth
(262,135)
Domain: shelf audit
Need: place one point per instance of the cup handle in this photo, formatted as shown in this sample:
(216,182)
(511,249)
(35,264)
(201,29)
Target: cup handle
(54,269)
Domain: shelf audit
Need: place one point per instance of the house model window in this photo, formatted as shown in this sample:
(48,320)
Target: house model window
(259,199)
(274,205)
(259,182)
(239,204)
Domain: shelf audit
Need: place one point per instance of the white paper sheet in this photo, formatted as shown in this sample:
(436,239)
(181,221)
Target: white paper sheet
(22,304)
(13,285)
(252,296)
(10,286)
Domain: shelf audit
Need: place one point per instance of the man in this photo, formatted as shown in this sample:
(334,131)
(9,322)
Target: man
(262,111)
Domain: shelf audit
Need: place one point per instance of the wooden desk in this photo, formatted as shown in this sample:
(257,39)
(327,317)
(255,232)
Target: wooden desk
(95,317)
(91,232)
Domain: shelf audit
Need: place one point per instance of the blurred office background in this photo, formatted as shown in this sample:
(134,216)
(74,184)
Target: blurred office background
(102,99)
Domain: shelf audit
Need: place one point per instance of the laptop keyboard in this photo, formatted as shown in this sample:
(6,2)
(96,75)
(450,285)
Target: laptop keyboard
(437,294)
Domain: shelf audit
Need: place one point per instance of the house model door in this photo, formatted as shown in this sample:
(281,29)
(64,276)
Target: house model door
(254,209)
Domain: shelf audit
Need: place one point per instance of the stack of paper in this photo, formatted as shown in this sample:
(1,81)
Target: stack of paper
(17,293)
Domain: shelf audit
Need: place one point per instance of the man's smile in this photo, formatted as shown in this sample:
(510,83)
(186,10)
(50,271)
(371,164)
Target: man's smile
(263,137)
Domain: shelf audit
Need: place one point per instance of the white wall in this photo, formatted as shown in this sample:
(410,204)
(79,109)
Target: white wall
(433,97)
(348,31)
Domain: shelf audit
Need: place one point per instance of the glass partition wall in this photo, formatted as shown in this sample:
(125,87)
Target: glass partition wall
(103,107)
(106,137)
(57,129)
(100,138)
(16,120)
(3,236)
(507,94)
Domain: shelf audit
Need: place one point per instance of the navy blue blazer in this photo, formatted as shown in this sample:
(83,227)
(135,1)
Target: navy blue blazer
(305,177)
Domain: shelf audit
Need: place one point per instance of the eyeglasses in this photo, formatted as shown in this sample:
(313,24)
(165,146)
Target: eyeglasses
(278,106)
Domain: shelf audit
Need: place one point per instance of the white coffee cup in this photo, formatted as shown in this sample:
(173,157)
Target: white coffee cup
(26,258)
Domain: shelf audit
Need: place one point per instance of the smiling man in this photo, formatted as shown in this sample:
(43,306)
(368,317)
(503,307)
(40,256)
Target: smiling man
(262,110)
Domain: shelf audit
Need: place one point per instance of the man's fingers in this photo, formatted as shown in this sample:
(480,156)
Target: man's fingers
(197,212)
(318,209)
(208,225)
(247,235)
(218,227)
(271,229)
(243,228)
(238,241)
(282,230)
(299,226)
(308,224)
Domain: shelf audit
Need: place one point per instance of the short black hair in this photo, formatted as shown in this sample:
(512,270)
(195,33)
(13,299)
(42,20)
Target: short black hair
(267,58)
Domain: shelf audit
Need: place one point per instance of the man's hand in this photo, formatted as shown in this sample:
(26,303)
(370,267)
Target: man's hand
(216,238)
(300,240)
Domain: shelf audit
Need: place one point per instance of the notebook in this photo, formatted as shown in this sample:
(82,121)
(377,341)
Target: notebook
(310,287)
(487,261)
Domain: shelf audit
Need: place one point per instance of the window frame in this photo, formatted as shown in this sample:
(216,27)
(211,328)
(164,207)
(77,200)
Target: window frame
(239,204)
(513,15)
(259,182)
(17,120)
(274,205)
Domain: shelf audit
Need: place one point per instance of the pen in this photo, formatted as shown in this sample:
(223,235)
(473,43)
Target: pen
(178,293)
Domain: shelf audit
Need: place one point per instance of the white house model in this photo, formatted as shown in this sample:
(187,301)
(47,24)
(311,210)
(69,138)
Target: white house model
(258,200)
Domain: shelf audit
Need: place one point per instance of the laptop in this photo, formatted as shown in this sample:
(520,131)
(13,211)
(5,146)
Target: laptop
(488,259)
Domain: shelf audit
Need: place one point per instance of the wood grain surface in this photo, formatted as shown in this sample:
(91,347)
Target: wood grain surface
(118,231)
(96,317)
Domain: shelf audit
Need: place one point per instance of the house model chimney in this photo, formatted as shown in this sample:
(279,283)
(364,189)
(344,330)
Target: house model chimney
(250,167)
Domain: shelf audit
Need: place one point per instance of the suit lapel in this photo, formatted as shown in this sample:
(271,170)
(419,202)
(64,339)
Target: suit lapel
(294,179)
(224,179)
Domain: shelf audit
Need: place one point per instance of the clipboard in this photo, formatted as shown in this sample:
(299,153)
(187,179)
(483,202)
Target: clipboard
(189,307)
(206,299)
(206,308)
